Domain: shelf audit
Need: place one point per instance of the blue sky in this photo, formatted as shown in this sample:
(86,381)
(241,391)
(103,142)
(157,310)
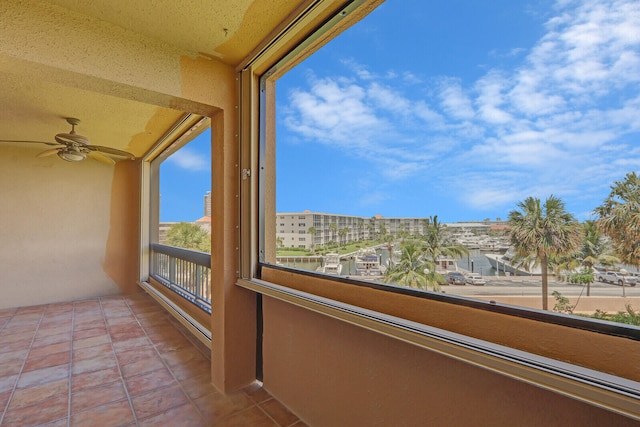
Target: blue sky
(456,108)
(185,177)
(463,108)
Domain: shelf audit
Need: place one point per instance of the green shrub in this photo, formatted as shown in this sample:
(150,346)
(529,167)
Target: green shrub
(581,278)
(562,303)
(628,316)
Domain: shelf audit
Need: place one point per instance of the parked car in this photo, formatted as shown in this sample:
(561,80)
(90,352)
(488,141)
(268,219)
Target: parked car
(617,278)
(455,278)
(475,279)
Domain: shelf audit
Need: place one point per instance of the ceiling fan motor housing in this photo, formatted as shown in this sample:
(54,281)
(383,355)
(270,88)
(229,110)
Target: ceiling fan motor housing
(71,154)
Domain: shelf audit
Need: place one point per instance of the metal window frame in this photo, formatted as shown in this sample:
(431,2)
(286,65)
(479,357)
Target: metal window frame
(613,393)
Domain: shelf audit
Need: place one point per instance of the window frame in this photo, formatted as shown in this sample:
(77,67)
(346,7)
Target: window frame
(292,58)
(259,220)
(188,127)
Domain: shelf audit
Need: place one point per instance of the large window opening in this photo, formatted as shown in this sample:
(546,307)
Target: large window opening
(185,195)
(180,235)
(478,150)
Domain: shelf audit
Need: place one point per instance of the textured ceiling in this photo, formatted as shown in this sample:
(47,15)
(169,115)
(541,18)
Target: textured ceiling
(38,89)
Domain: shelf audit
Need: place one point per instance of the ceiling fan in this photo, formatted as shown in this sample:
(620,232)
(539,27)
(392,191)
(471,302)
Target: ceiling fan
(74,148)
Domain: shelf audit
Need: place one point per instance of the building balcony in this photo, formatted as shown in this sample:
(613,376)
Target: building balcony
(116,361)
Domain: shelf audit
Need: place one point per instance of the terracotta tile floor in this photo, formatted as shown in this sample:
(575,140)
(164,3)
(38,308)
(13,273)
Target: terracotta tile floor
(116,361)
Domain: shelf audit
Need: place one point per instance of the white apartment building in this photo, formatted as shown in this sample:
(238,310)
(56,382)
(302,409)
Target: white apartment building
(294,229)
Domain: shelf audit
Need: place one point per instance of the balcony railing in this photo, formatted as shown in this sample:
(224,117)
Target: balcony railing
(184,271)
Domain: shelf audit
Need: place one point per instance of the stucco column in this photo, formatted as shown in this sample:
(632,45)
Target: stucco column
(233,322)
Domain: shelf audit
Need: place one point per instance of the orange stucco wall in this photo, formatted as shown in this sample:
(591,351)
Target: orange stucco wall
(121,261)
(331,373)
(601,352)
(67,230)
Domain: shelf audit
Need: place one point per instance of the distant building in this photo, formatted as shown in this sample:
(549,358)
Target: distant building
(293,228)
(207,204)
(204,223)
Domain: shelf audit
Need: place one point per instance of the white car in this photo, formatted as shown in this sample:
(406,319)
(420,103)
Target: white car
(475,279)
(617,278)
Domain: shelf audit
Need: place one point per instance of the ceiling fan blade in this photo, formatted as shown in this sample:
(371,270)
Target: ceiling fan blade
(101,158)
(49,152)
(71,138)
(28,141)
(111,151)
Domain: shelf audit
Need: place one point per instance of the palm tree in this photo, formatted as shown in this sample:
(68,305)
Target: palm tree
(371,227)
(402,233)
(594,250)
(360,229)
(333,227)
(312,230)
(619,218)
(382,230)
(436,242)
(414,270)
(342,233)
(426,223)
(542,232)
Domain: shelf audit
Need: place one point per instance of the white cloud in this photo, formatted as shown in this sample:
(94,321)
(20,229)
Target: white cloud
(190,160)
(565,120)
(491,98)
(455,102)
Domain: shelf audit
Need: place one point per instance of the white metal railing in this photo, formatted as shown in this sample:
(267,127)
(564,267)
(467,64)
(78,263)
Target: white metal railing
(184,271)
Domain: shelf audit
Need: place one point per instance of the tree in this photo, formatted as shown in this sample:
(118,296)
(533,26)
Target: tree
(414,270)
(312,230)
(436,242)
(541,232)
(342,234)
(389,239)
(189,236)
(333,227)
(371,227)
(594,249)
(619,218)
(383,230)
(402,233)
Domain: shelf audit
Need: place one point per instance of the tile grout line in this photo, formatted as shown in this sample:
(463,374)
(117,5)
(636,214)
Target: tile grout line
(255,404)
(166,365)
(124,384)
(258,405)
(10,318)
(73,327)
(24,362)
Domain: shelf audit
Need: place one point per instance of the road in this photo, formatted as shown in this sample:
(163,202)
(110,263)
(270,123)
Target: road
(529,286)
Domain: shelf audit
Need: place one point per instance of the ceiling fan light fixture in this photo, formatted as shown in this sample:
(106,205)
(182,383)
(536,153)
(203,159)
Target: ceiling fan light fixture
(71,155)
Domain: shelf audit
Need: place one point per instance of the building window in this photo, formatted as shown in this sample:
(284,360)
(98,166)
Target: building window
(392,137)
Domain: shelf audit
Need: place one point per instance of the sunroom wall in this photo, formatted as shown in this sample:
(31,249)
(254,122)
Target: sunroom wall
(68,230)
(331,373)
